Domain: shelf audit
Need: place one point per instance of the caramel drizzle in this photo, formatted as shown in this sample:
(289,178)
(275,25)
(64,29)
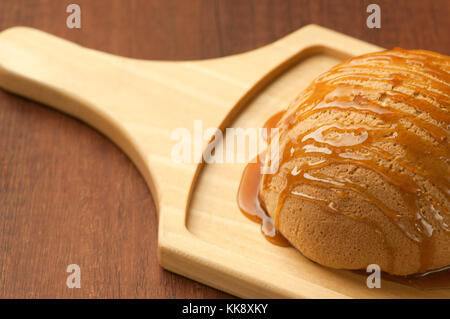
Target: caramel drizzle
(251,206)
(357,144)
(248,194)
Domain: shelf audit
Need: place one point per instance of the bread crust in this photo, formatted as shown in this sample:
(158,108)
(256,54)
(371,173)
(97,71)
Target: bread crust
(353,187)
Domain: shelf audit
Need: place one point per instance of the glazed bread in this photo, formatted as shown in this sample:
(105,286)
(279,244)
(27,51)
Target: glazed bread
(364,165)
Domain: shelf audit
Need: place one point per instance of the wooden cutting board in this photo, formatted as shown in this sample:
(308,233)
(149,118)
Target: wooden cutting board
(138,104)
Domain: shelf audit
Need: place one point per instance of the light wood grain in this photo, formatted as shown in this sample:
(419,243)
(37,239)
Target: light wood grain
(138,103)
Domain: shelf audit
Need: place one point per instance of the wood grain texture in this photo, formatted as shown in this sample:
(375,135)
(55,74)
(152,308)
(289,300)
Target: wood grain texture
(38,144)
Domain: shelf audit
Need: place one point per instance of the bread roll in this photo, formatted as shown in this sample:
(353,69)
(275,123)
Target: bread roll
(364,165)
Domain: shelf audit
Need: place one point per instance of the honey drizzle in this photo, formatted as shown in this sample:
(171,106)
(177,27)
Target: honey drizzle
(428,159)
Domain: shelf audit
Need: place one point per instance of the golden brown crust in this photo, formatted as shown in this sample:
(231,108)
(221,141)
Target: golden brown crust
(364,171)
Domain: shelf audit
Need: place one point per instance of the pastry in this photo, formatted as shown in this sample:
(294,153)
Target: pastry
(363,176)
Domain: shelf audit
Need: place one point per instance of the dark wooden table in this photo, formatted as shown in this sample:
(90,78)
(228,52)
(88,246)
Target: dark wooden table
(70,196)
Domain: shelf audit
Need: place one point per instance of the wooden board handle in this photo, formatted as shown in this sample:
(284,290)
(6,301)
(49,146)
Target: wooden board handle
(44,68)
(87,84)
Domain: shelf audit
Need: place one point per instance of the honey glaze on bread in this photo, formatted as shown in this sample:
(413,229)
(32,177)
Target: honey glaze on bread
(364,165)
